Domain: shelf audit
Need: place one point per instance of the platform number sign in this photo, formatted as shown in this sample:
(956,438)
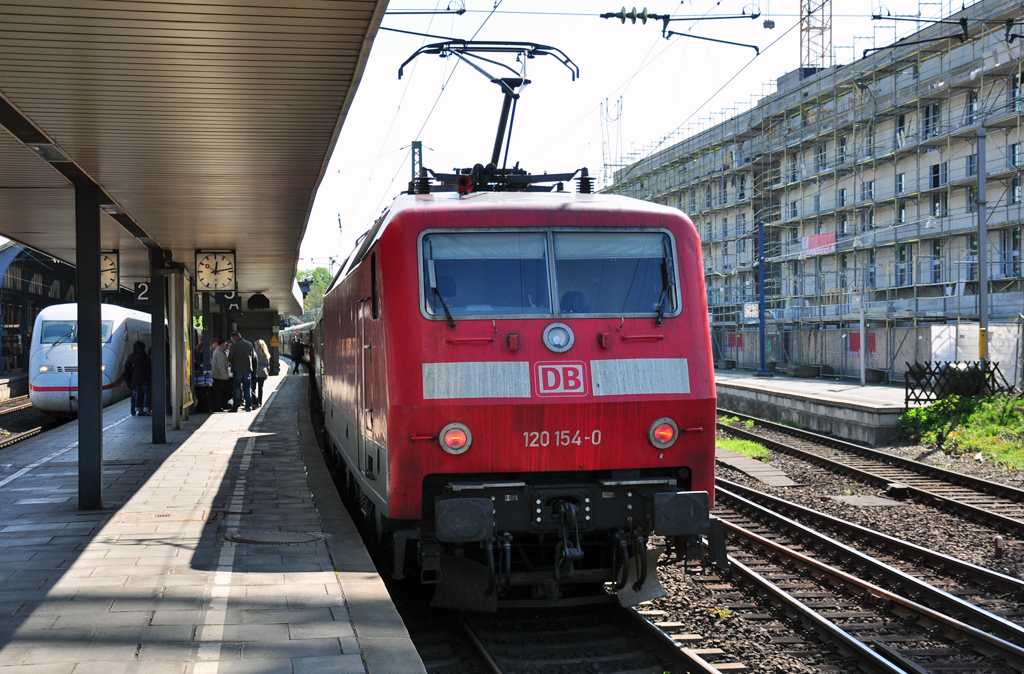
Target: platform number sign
(142,297)
(231,301)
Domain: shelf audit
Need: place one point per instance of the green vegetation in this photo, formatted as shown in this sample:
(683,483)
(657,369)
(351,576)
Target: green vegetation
(729,420)
(749,423)
(744,447)
(992,426)
(319,279)
(722,613)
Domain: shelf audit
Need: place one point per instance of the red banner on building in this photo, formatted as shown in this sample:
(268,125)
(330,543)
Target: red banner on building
(820,244)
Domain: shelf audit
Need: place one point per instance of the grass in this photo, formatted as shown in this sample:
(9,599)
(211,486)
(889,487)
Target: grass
(744,447)
(992,426)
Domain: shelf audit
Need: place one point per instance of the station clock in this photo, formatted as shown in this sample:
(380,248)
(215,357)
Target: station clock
(110,271)
(215,270)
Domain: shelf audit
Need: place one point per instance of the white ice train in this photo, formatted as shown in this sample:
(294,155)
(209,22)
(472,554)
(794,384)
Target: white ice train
(53,361)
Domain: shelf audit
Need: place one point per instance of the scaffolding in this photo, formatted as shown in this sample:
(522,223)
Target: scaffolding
(865,176)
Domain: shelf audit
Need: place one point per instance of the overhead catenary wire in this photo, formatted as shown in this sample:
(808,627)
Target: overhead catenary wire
(433,107)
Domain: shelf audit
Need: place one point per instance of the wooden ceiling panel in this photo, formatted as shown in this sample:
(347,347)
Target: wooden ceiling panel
(209,123)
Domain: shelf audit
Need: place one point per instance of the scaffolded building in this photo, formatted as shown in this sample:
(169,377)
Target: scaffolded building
(865,177)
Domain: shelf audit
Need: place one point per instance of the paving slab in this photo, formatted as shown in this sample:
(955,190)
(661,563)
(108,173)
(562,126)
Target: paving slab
(756,469)
(154,584)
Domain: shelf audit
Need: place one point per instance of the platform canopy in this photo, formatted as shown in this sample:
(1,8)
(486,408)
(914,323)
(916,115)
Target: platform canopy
(206,125)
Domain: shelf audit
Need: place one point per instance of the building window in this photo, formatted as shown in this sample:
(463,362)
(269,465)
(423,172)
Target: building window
(707,198)
(939,175)
(794,275)
(940,205)
(972,257)
(725,226)
(901,212)
(842,224)
(1015,156)
(741,245)
(723,193)
(972,165)
(841,150)
(821,157)
(930,120)
(842,197)
(725,248)
(936,261)
(904,265)
(901,183)
(742,191)
(1016,99)
(971,107)
(793,173)
(972,199)
(817,203)
(901,130)
(869,144)
(693,202)
(871,268)
(1011,252)
(792,209)
(741,223)
(867,219)
(1015,190)
(867,190)
(794,235)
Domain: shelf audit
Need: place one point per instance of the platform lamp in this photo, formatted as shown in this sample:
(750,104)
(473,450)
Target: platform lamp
(762,370)
(304,286)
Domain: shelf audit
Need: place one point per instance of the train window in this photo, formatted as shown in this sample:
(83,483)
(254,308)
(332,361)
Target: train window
(486,273)
(59,332)
(614,273)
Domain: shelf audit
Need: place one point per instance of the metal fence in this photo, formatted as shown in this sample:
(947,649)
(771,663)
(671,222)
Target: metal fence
(928,382)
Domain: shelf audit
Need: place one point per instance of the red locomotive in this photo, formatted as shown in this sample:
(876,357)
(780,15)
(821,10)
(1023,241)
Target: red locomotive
(518,388)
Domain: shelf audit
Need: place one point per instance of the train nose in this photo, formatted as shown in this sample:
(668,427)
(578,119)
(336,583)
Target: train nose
(51,391)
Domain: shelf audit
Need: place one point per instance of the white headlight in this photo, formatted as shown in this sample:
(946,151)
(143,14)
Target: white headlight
(558,337)
(44,368)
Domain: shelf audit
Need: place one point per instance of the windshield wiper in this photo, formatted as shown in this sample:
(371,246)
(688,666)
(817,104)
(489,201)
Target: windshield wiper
(668,288)
(60,339)
(437,293)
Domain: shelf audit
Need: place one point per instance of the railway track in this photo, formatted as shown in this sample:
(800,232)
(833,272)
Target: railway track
(14,405)
(882,629)
(998,505)
(602,638)
(596,638)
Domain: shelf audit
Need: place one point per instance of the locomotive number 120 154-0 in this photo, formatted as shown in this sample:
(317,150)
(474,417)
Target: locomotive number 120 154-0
(560,438)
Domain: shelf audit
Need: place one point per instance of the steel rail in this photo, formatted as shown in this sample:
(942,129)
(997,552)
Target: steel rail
(18,437)
(978,574)
(984,643)
(948,603)
(11,405)
(824,627)
(492,665)
(976,483)
(882,481)
(670,650)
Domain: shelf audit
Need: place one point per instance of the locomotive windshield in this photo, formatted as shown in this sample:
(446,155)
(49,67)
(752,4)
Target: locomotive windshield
(66,332)
(613,272)
(506,273)
(486,273)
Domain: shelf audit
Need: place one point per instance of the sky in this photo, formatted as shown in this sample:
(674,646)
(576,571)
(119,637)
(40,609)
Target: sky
(634,89)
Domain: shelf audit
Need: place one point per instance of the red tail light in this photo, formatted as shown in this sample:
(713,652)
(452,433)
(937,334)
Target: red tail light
(663,433)
(455,438)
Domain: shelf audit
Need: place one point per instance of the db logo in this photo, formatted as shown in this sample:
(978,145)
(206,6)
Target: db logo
(561,379)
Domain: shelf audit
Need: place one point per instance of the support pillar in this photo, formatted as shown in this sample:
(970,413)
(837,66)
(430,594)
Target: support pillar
(159,299)
(982,251)
(90,348)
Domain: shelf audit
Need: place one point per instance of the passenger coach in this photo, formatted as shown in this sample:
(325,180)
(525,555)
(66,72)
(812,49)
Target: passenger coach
(519,388)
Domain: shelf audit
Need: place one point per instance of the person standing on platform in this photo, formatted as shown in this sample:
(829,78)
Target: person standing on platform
(261,372)
(298,350)
(142,378)
(127,376)
(240,357)
(221,378)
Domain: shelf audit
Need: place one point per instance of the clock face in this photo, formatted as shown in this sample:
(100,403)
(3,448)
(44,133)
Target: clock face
(215,271)
(108,271)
